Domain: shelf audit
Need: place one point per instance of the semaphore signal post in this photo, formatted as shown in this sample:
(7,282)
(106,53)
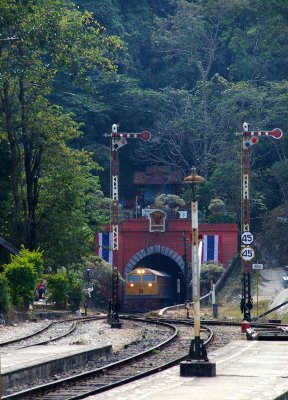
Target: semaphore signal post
(118,140)
(247,252)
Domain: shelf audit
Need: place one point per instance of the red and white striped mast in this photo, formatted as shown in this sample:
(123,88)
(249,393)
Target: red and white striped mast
(247,252)
(118,140)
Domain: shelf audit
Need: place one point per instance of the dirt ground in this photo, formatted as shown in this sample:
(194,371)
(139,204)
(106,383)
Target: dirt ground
(271,288)
(270,283)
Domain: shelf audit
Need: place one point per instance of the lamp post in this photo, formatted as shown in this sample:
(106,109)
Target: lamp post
(197,363)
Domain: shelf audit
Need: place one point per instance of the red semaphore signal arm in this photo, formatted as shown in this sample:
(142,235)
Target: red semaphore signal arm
(275,133)
(145,135)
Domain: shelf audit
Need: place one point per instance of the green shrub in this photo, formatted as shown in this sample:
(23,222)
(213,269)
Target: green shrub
(210,272)
(65,289)
(35,258)
(22,275)
(5,303)
(221,218)
(22,280)
(58,288)
(75,291)
(218,213)
(98,273)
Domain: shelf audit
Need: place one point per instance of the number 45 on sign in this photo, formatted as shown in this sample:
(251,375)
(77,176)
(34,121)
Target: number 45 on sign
(247,238)
(247,253)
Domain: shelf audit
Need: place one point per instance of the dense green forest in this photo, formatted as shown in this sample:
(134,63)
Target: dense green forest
(190,71)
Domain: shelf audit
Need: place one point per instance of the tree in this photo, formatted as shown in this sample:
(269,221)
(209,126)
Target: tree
(6,200)
(257,51)
(226,180)
(190,37)
(280,172)
(38,42)
(67,213)
(180,136)
(273,237)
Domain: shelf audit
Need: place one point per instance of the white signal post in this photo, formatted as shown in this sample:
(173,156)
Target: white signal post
(118,140)
(247,252)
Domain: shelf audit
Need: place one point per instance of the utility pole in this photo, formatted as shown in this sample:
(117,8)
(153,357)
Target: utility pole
(118,140)
(247,252)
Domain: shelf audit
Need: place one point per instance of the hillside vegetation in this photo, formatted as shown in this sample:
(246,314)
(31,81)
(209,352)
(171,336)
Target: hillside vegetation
(191,72)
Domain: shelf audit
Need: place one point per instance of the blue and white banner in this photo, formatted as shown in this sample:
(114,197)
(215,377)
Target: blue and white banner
(211,248)
(104,246)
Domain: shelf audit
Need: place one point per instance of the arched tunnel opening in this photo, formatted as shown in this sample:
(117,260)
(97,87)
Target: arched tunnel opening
(163,263)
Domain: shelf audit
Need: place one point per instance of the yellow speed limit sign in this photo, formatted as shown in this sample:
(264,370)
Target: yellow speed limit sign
(247,253)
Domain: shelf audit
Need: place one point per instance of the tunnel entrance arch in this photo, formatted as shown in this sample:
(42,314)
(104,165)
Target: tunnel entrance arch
(161,258)
(152,250)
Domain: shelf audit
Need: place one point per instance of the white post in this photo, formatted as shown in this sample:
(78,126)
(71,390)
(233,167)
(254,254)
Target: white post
(195,264)
(213,294)
(214,305)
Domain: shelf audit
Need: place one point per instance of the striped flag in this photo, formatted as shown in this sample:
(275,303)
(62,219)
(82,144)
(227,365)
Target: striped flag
(104,246)
(211,248)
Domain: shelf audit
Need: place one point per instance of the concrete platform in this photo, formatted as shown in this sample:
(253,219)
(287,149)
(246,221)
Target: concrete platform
(245,370)
(26,365)
(42,310)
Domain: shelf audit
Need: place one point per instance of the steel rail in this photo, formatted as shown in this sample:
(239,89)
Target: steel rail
(49,325)
(29,393)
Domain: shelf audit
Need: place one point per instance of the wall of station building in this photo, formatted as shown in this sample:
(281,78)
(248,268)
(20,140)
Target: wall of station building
(135,238)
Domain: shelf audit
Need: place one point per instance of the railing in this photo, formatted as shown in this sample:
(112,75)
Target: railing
(130,214)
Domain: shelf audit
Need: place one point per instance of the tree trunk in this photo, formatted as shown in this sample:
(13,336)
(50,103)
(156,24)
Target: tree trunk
(32,165)
(15,156)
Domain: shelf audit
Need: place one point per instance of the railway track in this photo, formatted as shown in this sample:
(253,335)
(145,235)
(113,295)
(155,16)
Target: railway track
(53,331)
(136,363)
(162,355)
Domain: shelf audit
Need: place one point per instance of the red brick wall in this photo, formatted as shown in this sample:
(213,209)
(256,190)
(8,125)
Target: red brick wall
(134,236)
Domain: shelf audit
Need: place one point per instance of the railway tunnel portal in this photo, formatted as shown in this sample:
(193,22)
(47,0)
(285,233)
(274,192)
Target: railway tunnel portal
(167,249)
(162,259)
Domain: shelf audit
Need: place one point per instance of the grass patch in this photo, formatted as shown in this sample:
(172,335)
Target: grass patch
(231,311)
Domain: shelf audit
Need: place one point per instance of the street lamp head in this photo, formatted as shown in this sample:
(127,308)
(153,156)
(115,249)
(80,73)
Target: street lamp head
(194,178)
